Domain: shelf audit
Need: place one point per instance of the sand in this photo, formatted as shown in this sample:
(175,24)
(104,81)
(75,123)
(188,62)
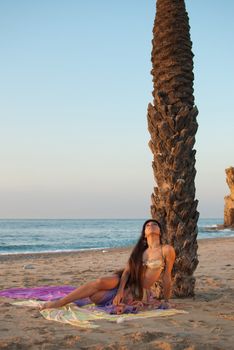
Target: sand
(208,324)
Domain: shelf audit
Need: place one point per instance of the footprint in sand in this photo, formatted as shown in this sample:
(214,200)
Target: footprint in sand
(162,345)
(229,317)
(198,324)
(145,337)
(71,339)
(8,317)
(211,282)
(45,280)
(216,331)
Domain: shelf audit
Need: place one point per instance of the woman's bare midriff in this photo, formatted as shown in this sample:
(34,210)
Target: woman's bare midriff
(150,277)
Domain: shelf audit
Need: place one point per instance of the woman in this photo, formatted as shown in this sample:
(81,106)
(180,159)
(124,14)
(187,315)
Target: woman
(148,262)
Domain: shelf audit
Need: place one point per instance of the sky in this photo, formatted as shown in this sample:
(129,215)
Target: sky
(74,88)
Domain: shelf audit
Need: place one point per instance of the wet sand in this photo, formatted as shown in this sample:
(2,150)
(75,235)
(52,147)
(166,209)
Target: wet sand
(208,324)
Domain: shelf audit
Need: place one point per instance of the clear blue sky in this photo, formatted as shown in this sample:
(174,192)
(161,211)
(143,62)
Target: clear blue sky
(74,88)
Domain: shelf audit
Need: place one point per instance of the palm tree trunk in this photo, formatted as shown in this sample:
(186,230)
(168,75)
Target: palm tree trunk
(172,125)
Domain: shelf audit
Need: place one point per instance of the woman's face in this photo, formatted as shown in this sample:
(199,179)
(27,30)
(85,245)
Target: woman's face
(152,228)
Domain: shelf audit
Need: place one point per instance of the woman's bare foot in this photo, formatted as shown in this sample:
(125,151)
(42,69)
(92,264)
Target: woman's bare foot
(49,305)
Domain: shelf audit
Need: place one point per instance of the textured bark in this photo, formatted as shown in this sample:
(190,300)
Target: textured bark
(229,200)
(172,125)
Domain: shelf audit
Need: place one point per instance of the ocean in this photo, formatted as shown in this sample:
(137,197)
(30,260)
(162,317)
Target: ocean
(34,236)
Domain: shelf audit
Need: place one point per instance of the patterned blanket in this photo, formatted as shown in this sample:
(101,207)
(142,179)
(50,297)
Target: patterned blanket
(86,316)
(82,313)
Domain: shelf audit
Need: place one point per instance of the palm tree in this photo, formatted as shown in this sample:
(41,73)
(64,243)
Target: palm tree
(172,125)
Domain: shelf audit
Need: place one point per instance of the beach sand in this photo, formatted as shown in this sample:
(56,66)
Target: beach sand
(208,324)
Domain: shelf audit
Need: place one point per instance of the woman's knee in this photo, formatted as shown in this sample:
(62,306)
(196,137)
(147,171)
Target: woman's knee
(98,283)
(103,283)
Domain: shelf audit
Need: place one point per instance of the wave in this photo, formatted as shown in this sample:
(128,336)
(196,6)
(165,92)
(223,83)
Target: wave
(215,228)
(54,251)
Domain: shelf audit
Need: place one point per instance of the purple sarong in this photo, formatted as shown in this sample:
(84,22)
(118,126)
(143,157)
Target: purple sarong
(106,303)
(47,293)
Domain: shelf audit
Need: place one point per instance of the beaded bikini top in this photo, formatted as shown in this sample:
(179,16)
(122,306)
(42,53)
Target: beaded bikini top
(154,263)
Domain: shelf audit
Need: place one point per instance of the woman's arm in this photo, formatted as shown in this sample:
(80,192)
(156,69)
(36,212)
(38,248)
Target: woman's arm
(169,254)
(123,280)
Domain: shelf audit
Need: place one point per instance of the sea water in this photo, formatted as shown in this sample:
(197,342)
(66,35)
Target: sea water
(34,236)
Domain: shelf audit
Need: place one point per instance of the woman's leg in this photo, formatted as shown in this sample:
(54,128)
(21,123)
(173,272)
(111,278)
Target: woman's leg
(85,291)
(98,296)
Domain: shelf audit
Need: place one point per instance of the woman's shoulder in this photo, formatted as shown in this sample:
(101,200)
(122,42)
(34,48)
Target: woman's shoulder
(168,250)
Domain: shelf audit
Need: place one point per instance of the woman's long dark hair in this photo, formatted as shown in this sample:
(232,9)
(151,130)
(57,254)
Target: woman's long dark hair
(136,267)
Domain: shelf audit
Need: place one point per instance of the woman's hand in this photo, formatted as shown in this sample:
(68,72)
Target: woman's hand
(120,309)
(118,298)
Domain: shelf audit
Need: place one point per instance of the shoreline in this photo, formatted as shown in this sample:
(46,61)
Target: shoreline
(34,255)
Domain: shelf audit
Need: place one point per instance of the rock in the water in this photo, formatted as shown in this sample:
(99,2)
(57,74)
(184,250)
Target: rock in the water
(229,200)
